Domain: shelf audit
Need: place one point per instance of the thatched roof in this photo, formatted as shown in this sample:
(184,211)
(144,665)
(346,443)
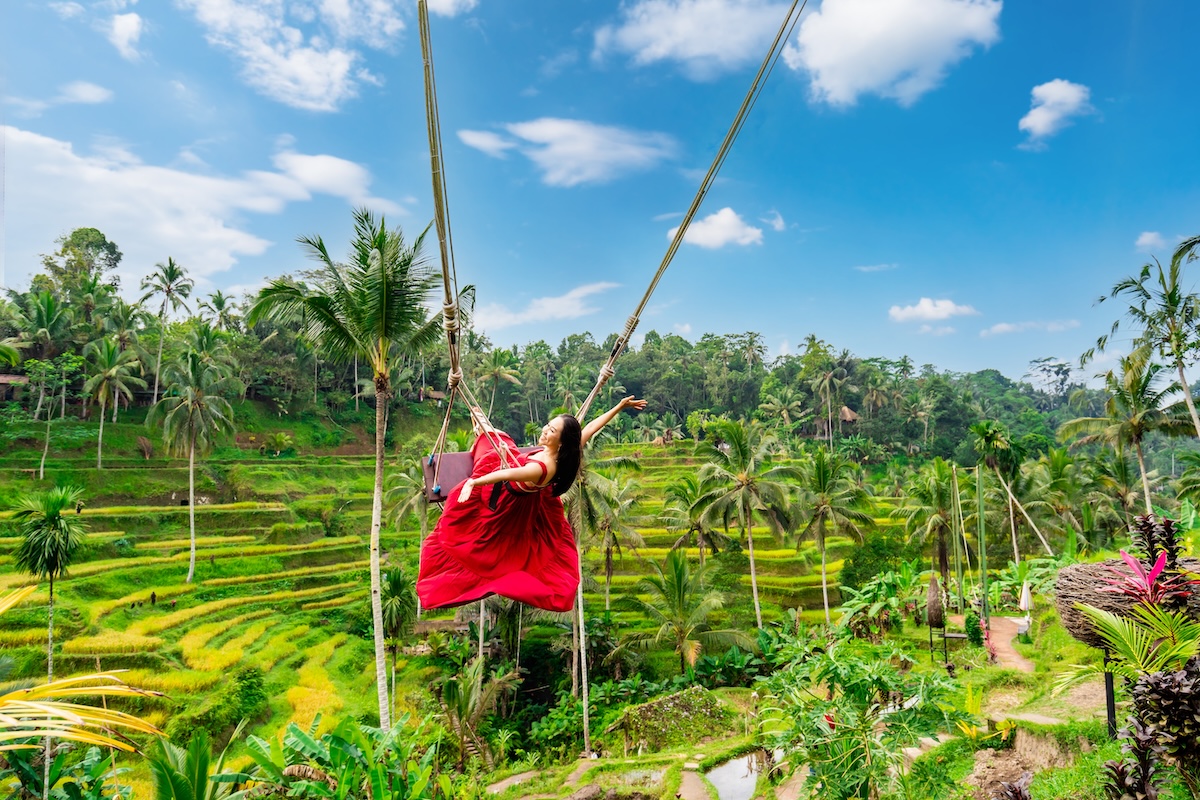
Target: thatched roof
(847,415)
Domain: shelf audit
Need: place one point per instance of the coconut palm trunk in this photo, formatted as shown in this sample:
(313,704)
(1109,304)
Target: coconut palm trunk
(1187,396)
(100,438)
(49,678)
(1137,448)
(45,451)
(824,574)
(382,391)
(192,507)
(748,523)
(162,334)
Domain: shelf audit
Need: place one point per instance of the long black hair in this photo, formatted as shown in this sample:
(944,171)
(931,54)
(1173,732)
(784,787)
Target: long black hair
(569,445)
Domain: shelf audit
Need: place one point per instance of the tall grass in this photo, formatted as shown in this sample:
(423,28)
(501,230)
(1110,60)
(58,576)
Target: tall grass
(167,621)
(279,647)
(193,642)
(303,572)
(315,692)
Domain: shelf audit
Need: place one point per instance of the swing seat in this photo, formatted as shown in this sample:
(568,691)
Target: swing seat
(451,470)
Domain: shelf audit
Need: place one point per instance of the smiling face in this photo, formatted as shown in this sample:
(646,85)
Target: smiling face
(551,433)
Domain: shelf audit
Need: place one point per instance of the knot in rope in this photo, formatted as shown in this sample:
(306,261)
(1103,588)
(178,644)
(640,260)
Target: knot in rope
(606,372)
(450,317)
(454,379)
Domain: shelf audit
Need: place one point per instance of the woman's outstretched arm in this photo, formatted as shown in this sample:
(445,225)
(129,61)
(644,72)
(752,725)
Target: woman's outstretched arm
(529,473)
(599,422)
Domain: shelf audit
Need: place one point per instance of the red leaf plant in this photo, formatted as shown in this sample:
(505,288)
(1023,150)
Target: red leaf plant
(1150,588)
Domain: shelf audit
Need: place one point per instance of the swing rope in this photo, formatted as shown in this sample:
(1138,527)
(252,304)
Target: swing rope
(764,72)
(450,311)
(451,314)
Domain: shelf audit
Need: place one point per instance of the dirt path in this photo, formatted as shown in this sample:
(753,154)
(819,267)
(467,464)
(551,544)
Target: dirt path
(692,787)
(1004,630)
(497,788)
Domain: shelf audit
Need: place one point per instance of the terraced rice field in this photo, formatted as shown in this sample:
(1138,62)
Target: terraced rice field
(281,581)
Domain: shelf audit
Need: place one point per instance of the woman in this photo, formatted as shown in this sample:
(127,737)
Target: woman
(511,539)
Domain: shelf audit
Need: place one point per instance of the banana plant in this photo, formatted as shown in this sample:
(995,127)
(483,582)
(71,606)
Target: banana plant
(351,761)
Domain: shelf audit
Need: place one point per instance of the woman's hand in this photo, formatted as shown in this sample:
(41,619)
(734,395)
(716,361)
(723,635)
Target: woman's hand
(466,490)
(631,402)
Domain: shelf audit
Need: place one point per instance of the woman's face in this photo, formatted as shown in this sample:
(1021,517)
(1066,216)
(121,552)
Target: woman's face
(551,433)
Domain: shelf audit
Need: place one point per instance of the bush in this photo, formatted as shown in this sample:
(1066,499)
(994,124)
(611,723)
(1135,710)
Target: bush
(974,629)
(243,698)
(881,551)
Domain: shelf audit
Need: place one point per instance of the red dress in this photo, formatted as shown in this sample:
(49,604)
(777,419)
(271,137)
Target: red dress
(507,539)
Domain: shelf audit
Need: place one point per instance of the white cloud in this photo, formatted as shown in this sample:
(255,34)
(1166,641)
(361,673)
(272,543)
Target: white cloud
(666,216)
(719,229)
(67,10)
(334,176)
(74,92)
(1054,104)
(785,348)
(452,8)
(571,151)
(571,305)
(305,56)
(152,211)
(124,31)
(775,220)
(83,92)
(682,328)
(877,267)
(898,49)
(936,330)
(1054,326)
(488,142)
(929,310)
(1150,241)
(705,37)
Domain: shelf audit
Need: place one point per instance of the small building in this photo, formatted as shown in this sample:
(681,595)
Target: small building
(11,386)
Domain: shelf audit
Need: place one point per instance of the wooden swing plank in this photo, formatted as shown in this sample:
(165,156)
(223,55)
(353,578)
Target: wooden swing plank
(451,470)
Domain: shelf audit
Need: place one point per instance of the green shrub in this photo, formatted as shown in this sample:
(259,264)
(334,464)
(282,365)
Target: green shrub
(686,716)
(243,698)
(881,551)
(973,629)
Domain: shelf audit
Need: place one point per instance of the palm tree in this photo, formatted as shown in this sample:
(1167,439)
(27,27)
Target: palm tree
(190,774)
(1136,408)
(785,405)
(615,526)
(825,385)
(221,311)
(680,607)
(399,612)
(832,498)
(171,281)
(501,365)
(466,699)
(1167,315)
(45,324)
(194,414)
(369,308)
(10,350)
(111,378)
(745,485)
(50,540)
(684,511)
(928,510)
(406,496)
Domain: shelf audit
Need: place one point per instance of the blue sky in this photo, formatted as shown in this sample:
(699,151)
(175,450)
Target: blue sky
(953,180)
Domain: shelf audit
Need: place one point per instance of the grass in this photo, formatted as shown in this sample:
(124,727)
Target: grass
(198,657)
(166,622)
(303,572)
(281,646)
(315,693)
